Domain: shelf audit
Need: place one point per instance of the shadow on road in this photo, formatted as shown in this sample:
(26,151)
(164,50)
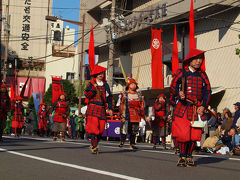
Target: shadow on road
(209,160)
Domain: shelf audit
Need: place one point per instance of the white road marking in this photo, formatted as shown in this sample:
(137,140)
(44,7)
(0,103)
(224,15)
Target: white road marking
(116,147)
(71,165)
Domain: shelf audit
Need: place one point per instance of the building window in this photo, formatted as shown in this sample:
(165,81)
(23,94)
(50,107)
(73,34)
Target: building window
(69,76)
(57,36)
(58,25)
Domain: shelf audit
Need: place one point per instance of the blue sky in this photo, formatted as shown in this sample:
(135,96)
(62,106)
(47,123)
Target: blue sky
(71,14)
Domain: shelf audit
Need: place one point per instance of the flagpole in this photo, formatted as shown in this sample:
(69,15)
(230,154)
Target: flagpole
(15,93)
(81,66)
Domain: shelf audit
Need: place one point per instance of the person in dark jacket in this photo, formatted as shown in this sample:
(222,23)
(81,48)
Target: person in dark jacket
(237,113)
(213,123)
(73,124)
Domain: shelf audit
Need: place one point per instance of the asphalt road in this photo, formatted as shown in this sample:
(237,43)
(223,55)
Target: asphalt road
(30,158)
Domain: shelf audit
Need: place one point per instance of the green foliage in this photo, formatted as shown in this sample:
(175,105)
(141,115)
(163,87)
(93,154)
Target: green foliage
(68,89)
(30,103)
(83,88)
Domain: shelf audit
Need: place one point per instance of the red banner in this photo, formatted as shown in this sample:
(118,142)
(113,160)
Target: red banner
(156,49)
(56,88)
(192,43)
(175,63)
(12,93)
(91,53)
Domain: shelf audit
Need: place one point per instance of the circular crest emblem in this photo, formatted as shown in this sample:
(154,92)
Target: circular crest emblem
(107,125)
(155,43)
(117,130)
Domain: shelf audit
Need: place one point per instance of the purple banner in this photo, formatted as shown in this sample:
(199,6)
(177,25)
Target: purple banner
(112,129)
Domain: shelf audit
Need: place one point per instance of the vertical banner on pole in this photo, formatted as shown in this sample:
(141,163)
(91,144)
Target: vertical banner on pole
(56,88)
(156,50)
(175,62)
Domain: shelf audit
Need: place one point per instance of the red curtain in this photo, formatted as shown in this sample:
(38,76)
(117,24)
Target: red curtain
(175,62)
(156,49)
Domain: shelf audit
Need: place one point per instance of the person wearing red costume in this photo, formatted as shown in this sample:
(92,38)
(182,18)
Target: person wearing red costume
(131,112)
(43,115)
(159,124)
(99,100)
(190,93)
(62,110)
(18,115)
(4,108)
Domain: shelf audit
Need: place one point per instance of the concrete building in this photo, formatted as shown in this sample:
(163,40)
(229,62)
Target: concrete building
(64,59)
(28,38)
(216,30)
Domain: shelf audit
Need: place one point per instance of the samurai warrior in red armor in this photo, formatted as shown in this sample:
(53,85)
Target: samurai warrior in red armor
(62,110)
(4,108)
(43,115)
(99,100)
(131,112)
(18,115)
(190,92)
(159,123)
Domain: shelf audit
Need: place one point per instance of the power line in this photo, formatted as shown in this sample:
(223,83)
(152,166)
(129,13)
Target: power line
(63,48)
(66,8)
(67,34)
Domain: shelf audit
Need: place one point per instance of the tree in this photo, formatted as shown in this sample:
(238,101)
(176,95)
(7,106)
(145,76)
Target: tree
(238,49)
(69,91)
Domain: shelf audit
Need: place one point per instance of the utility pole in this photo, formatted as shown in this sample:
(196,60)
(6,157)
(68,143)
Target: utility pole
(111,46)
(80,58)
(6,40)
(1,41)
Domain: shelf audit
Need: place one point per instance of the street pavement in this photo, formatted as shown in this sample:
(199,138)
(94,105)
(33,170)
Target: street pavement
(28,158)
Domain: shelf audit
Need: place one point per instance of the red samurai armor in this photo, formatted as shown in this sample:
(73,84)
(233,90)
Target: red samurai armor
(42,114)
(4,104)
(159,109)
(99,99)
(18,112)
(197,92)
(61,109)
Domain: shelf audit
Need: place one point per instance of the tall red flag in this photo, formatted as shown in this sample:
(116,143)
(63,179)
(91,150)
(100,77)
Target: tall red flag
(91,52)
(156,49)
(12,93)
(56,88)
(175,63)
(192,43)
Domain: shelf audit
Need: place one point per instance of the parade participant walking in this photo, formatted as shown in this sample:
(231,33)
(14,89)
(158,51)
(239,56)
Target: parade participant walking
(18,115)
(100,99)
(131,112)
(159,123)
(43,115)
(73,124)
(4,108)
(190,103)
(62,110)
